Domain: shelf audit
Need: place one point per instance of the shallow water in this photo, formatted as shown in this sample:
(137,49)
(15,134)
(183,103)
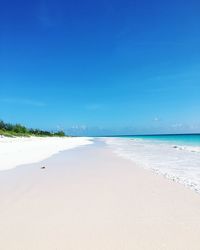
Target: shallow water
(175,159)
(179,139)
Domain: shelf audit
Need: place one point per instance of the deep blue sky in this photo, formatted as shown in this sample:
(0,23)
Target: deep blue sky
(95,67)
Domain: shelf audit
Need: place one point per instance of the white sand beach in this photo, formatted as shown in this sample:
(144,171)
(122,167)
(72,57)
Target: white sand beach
(88,198)
(16,151)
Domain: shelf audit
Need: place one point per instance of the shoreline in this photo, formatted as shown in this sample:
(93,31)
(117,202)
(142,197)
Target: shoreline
(177,163)
(89,198)
(39,149)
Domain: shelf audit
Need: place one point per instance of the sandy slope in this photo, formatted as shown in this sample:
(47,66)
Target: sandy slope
(90,199)
(24,150)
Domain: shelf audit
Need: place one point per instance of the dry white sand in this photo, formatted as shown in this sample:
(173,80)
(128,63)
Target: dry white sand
(90,199)
(23,150)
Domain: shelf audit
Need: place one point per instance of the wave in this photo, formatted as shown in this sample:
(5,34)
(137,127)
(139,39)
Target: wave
(176,162)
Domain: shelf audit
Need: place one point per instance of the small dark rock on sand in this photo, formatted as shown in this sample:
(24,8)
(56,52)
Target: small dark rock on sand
(43,167)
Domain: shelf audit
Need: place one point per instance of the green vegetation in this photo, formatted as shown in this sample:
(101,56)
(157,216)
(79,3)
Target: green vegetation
(8,129)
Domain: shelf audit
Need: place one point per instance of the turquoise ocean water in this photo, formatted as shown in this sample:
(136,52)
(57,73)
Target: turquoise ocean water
(179,139)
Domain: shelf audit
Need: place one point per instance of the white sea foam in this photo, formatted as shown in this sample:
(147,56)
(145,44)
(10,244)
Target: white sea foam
(179,163)
(18,151)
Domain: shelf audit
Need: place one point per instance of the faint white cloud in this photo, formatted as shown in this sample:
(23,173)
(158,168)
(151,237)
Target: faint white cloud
(177,125)
(156,119)
(60,127)
(22,102)
(79,127)
(77,130)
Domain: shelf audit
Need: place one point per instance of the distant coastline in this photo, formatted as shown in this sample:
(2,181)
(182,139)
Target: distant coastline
(12,130)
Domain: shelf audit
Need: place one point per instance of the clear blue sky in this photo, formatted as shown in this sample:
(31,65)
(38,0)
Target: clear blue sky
(101,67)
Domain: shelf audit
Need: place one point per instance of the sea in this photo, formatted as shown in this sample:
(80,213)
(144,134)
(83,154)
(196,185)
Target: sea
(176,156)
